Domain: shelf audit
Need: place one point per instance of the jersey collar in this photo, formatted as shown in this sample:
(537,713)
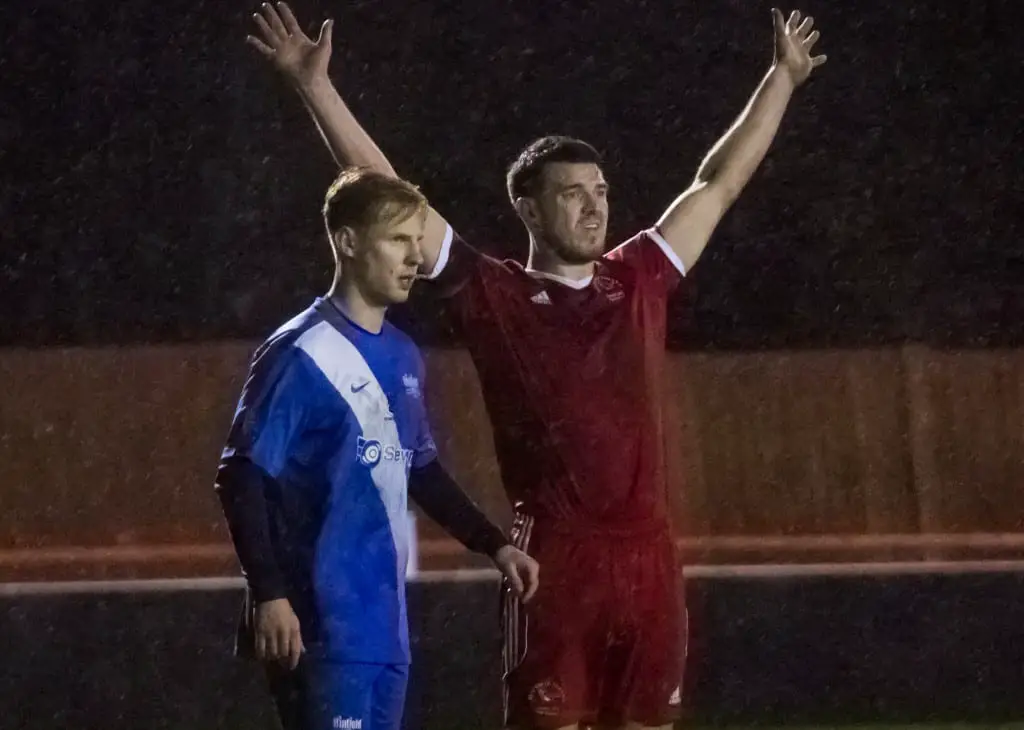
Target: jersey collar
(340,321)
(571,283)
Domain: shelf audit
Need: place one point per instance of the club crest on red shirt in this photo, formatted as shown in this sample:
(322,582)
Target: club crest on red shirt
(610,287)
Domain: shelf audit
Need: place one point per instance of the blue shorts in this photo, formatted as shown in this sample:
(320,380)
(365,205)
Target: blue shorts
(322,695)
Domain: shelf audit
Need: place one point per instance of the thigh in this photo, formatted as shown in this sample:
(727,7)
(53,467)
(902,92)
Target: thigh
(388,701)
(288,689)
(334,695)
(552,668)
(648,673)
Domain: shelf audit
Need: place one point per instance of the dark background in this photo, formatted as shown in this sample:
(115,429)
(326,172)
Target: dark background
(797,650)
(159,183)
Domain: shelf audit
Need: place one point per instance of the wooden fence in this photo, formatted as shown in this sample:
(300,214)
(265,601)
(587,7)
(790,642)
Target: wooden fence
(820,455)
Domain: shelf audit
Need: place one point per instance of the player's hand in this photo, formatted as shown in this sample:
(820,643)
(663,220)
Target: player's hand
(290,50)
(278,637)
(793,42)
(520,569)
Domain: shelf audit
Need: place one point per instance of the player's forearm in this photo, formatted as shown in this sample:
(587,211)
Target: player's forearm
(348,142)
(736,156)
(240,488)
(443,501)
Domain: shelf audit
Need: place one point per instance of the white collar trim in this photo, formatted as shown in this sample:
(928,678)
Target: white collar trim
(571,283)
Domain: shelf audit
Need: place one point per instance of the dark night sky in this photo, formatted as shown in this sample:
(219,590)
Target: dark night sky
(158,183)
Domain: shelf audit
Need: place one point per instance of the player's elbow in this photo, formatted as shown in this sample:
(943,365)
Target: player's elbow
(717,190)
(696,212)
(222,480)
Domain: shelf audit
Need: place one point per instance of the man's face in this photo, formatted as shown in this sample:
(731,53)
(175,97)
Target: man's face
(572,210)
(385,259)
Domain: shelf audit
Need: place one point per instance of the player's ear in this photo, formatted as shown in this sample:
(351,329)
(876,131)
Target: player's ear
(527,210)
(345,241)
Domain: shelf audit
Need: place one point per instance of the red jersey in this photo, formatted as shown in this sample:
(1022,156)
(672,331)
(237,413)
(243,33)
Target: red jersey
(571,378)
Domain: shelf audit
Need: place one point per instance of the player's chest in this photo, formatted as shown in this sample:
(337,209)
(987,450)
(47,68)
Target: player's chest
(586,335)
(394,398)
(381,423)
(606,311)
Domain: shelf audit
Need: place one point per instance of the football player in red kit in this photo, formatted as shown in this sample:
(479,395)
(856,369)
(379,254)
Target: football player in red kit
(569,350)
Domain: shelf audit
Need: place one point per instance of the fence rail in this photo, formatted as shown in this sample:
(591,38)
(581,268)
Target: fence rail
(890,453)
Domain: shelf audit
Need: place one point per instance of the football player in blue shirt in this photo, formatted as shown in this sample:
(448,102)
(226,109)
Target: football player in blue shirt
(329,437)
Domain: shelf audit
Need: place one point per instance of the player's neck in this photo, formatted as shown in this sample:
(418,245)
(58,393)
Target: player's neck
(350,302)
(547,263)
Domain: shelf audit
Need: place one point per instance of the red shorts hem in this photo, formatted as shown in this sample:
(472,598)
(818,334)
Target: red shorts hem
(545,722)
(593,718)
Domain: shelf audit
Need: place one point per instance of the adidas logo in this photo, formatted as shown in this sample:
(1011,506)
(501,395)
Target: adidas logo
(541,298)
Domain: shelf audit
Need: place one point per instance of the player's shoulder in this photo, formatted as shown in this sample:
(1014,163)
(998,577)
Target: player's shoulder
(495,263)
(648,253)
(283,344)
(623,259)
(276,360)
(512,274)
(639,240)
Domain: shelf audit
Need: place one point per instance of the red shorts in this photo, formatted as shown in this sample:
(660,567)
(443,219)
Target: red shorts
(604,639)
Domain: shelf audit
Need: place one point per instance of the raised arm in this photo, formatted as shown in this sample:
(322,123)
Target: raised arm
(305,64)
(690,220)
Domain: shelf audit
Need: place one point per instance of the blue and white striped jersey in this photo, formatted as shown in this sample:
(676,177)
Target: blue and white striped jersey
(332,419)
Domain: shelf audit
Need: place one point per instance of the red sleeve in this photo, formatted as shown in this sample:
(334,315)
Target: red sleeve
(462,271)
(649,254)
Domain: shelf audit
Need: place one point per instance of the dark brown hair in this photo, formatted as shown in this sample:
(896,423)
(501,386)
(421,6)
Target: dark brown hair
(524,174)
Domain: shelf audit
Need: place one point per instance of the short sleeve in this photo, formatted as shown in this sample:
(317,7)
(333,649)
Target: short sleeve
(650,255)
(273,410)
(459,265)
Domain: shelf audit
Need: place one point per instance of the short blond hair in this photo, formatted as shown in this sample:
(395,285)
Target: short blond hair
(360,198)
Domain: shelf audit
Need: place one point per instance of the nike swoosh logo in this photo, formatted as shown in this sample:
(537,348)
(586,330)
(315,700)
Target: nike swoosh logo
(359,387)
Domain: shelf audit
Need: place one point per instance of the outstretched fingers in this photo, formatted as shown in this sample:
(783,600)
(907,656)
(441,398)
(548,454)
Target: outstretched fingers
(288,17)
(805,27)
(780,22)
(274,28)
(794,21)
(274,20)
(260,46)
(269,36)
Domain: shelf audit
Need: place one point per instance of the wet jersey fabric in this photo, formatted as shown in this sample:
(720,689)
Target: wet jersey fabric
(571,377)
(330,421)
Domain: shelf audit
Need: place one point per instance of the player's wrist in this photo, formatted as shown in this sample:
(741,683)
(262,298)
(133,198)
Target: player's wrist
(780,73)
(314,86)
(494,543)
(267,592)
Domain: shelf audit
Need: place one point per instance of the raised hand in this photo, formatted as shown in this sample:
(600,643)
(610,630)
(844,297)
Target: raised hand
(294,54)
(793,42)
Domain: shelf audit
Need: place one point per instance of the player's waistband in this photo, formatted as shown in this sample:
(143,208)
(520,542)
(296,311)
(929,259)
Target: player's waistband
(582,529)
